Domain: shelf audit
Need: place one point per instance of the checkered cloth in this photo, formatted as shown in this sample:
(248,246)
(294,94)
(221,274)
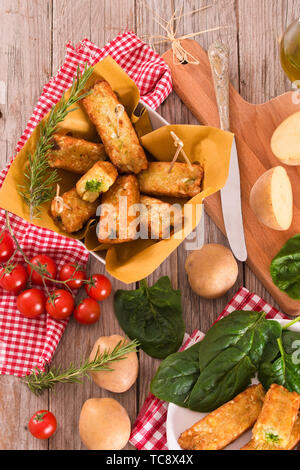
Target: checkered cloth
(28,343)
(149,431)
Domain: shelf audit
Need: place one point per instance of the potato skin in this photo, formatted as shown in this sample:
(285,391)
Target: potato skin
(124,373)
(104,424)
(262,200)
(212,270)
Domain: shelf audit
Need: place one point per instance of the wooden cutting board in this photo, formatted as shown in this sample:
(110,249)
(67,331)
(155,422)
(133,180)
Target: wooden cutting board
(253,125)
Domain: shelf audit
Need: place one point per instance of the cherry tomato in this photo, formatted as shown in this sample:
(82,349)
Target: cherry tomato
(87,311)
(6,247)
(46,263)
(13,278)
(31,303)
(98,287)
(42,424)
(68,271)
(60,304)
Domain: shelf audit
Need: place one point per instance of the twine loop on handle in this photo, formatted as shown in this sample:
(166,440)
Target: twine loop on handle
(180,54)
(179,149)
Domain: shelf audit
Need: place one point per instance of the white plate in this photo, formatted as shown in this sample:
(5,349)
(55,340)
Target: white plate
(179,419)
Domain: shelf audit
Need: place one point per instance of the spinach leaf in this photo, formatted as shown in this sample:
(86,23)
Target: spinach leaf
(176,376)
(291,342)
(224,377)
(285,370)
(229,356)
(246,330)
(285,268)
(153,316)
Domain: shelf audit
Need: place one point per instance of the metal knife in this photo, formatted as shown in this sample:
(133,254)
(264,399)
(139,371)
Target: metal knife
(231,193)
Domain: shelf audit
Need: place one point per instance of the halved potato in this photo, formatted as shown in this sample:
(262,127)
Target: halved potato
(271,199)
(285,142)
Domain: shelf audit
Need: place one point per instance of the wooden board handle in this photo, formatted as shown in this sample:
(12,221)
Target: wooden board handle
(218,55)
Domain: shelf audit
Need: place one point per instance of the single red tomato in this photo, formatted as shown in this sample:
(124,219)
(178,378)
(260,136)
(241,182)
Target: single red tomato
(87,311)
(6,247)
(60,304)
(31,303)
(98,287)
(73,272)
(42,424)
(46,264)
(13,278)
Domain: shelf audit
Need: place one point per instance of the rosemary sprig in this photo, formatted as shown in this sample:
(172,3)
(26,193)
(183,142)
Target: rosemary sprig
(39,381)
(39,183)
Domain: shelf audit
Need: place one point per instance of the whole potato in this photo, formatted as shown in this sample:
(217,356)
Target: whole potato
(123,374)
(212,270)
(104,424)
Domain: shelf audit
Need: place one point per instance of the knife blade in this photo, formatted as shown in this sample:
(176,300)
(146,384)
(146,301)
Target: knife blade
(231,193)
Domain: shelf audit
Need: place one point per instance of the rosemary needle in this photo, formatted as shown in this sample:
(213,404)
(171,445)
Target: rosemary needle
(39,183)
(39,381)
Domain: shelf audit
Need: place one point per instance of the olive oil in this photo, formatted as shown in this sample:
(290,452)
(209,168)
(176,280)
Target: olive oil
(290,51)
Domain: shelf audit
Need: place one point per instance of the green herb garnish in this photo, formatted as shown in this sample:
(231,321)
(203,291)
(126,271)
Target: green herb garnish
(40,183)
(93,186)
(270,437)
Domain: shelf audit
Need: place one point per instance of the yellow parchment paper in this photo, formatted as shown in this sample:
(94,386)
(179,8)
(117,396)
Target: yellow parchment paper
(130,262)
(210,147)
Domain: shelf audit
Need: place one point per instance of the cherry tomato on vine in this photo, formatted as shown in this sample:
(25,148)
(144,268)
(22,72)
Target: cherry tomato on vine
(13,278)
(42,424)
(87,311)
(6,246)
(71,271)
(98,287)
(60,304)
(46,264)
(31,303)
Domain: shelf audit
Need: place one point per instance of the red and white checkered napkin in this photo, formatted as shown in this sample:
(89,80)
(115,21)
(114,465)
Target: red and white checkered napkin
(26,343)
(149,431)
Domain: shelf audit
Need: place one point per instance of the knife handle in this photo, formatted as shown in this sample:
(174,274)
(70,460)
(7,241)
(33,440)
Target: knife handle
(218,55)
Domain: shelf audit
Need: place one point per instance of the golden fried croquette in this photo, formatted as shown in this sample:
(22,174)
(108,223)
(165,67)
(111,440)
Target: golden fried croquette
(219,428)
(75,155)
(182,181)
(277,418)
(97,180)
(72,213)
(119,138)
(159,217)
(116,224)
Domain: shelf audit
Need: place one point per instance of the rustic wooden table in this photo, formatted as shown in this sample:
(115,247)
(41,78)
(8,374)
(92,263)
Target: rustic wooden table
(33,36)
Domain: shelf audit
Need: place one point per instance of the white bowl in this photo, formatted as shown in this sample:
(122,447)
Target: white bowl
(179,419)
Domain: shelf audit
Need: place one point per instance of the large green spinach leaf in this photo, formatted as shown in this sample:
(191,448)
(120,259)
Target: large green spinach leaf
(285,369)
(229,356)
(285,268)
(176,376)
(221,380)
(153,316)
(248,331)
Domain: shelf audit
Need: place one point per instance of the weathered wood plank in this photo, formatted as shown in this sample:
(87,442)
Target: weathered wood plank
(261,25)
(25,67)
(96,21)
(146,25)
(201,313)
